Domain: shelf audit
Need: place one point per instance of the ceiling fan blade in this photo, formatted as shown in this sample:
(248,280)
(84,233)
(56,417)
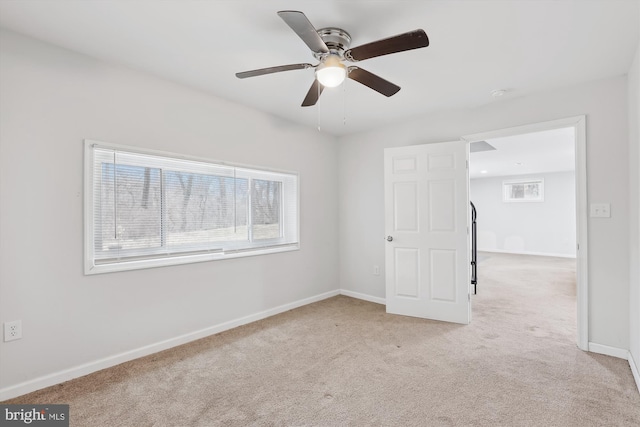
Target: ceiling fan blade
(303,28)
(407,41)
(270,70)
(376,83)
(313,95)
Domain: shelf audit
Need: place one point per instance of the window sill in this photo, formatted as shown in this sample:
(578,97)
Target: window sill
(90,268)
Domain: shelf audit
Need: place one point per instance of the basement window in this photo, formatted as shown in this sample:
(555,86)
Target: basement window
(524,190)
(148,209)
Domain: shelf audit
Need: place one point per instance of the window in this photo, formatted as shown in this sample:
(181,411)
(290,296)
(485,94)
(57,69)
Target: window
(525,190)
(146,209)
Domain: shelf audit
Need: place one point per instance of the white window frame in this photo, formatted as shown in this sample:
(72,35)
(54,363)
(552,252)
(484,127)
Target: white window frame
(289,219)
(506,190)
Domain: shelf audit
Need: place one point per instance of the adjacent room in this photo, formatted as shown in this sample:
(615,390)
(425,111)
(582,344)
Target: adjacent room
(523,193)
(258,212)
(523,190)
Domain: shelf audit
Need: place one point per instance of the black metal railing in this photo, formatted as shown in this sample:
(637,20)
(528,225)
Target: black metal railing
(474,250)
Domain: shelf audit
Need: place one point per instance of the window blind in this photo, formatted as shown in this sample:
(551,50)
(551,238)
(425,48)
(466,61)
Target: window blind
(146,206)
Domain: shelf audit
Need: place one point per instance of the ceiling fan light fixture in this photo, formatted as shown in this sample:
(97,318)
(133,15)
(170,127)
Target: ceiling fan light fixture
(331,72)
(331,46)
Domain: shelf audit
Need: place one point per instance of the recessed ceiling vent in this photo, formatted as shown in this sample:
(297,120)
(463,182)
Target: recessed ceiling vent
(478,146)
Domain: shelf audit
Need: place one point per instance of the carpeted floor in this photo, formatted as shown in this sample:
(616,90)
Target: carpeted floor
(344,361)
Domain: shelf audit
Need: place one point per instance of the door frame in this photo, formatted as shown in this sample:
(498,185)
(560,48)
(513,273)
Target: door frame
(578,123)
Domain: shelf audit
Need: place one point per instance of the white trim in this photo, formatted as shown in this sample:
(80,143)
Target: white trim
(582,224)
(107,362)
(91,269)
(578,123)
(528,128)
(634,371)
(150,151)
(363,297)
(620,353)
(504,251)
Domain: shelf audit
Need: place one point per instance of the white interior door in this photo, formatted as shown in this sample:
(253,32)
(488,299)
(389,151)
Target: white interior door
(427,227)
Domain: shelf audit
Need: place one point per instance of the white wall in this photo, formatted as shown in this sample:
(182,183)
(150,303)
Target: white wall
(634,198)
(51,99)
(361,210)
(536,228)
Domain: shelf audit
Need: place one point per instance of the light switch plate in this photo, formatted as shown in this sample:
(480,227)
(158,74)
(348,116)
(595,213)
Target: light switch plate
(600,210)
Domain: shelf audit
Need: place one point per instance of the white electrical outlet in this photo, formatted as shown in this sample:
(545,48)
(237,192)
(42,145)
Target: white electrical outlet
(376,270)
(12,330)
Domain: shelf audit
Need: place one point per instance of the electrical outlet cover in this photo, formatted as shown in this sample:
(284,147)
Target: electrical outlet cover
(12,330)
(600,210)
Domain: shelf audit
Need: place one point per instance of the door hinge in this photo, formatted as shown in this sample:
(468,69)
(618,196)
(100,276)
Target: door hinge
(469,297)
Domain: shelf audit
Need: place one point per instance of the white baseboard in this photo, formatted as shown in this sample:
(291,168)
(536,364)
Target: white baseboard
(620,353)
(107,362)
(502,251)
(634,370)
(364,297)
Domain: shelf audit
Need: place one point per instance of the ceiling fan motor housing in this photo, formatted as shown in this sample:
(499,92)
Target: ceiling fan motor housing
(336,39)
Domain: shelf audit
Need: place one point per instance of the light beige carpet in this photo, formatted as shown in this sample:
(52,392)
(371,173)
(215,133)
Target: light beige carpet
(344,361)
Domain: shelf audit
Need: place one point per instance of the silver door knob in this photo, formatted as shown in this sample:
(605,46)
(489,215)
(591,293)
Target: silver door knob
(389,238)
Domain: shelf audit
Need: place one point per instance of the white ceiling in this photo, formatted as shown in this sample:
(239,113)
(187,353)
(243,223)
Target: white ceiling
(476,46)
(531,153)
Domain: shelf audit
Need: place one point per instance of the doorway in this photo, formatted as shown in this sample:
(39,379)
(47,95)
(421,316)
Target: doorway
(520,184)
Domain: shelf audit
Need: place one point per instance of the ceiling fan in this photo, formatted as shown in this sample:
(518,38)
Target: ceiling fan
(330,46)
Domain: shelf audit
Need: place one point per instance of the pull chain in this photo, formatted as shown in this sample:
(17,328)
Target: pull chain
(318,107)
(344,102)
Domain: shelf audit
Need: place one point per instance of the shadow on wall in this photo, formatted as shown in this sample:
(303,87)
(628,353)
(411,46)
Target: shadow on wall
(514,244)
(487,241)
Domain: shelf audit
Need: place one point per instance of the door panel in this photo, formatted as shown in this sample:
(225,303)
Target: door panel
(408,272)
(404,164)
(405,206)
(426,214)
(443,275)
(442,205)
